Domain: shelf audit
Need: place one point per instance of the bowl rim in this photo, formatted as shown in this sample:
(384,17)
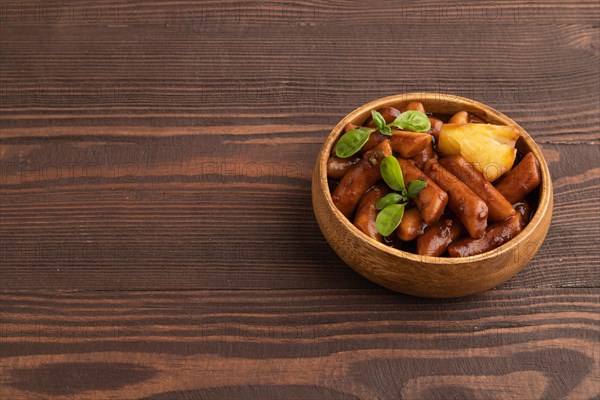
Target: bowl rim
(545,198)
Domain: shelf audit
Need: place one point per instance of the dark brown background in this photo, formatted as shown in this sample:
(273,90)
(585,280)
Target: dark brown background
(157,235)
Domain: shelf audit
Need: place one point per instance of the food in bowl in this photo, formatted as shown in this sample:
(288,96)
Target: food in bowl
(433,184)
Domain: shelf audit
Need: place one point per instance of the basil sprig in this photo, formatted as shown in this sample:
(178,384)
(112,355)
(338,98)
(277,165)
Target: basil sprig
(352,141)
(392,205)
(389,218)
(391,173)
(415,188)
(388,199)
(410,120)
(380,123)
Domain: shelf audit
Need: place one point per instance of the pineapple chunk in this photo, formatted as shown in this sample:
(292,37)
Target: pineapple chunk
(502,133)
(489,148)
(448,141)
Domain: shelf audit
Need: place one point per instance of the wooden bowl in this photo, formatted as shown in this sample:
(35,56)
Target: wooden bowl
(428,276)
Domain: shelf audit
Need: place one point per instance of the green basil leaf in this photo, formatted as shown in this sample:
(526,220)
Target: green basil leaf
(404,194)
(386,130)
(415,188)
(412,120)
(389,218)
(352,141)
(378,119)
(391,173)
(388,199)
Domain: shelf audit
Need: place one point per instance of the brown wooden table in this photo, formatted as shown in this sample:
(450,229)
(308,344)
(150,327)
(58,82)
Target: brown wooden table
(157,235)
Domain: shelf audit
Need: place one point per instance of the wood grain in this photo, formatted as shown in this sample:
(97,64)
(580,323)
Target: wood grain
(233,62)
(183,212)
(159,144)
(367,344)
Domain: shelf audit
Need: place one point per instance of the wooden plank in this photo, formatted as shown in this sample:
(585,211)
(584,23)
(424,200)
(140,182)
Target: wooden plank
(210,15)
(299,344)
(542,71)
(167,211)
(169,145)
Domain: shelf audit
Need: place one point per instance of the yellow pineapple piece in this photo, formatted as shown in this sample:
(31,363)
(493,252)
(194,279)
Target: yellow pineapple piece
(502,133)
(448,141)
(490,148)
